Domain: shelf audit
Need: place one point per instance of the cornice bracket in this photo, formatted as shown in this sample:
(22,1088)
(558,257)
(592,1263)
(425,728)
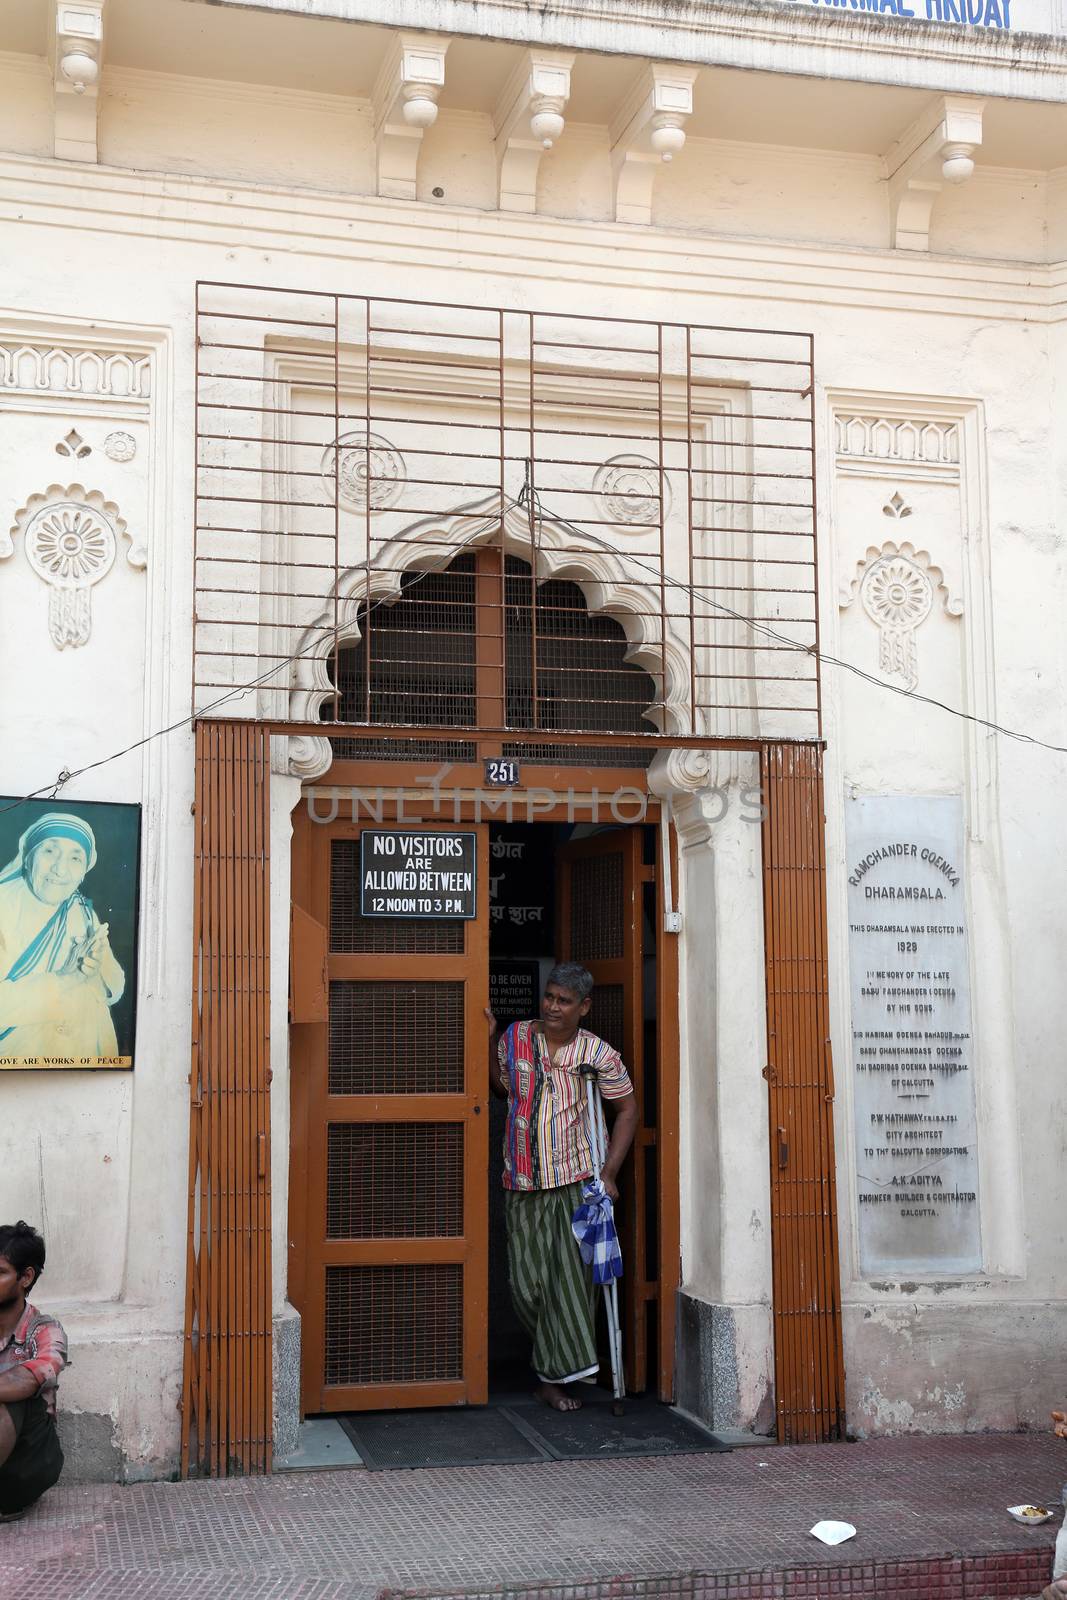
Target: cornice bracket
(648,130)
(527,122)
(76,51)
(405,105)
(937,148)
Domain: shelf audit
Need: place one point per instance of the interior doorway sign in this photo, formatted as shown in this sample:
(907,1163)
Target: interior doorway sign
(417,874)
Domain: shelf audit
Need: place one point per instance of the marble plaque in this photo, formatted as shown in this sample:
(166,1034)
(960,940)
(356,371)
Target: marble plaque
(912,1055)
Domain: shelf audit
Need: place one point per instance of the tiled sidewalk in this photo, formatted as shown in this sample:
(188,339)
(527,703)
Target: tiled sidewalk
(350,1535)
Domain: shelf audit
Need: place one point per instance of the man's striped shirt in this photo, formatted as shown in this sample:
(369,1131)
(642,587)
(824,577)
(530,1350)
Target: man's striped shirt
(546,1140)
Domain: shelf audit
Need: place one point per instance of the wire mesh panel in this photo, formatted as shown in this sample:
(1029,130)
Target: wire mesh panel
(607,1015)
(598,925)
(480,465)
(394,1324)
(394,1180)
(395,1038)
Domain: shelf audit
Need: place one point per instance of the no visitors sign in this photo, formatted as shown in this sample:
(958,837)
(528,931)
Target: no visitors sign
(406,874)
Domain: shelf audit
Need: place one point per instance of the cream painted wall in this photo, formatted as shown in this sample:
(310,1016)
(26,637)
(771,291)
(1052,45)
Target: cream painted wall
(25,105)
(160,122)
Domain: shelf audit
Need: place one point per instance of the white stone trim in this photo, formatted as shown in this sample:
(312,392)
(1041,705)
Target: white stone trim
(38,367)
(380,234)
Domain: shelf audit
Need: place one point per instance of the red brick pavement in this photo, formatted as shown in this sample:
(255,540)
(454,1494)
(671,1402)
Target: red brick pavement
(929,1513)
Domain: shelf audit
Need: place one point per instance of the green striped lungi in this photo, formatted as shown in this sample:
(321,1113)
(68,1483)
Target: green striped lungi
(551,1288)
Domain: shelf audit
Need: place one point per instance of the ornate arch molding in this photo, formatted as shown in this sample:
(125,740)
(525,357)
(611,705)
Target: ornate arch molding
(431,545)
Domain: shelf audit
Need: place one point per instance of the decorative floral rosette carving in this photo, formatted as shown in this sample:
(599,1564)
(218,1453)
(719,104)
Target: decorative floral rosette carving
(352,462)
(629,487)
(70,537)
(120,446)
(897,585)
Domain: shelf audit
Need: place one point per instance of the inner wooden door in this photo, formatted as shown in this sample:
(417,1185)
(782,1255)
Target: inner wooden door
(388,1239)
(601,904)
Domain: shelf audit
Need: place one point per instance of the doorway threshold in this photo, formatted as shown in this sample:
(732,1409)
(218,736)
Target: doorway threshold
(523,1431)
(322,1446)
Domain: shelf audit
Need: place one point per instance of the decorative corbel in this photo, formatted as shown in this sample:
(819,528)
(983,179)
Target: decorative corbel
(405,105)
(938,148)
(648,130)
(528,121)
(77,50)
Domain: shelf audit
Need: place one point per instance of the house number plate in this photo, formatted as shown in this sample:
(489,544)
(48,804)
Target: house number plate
(501,772)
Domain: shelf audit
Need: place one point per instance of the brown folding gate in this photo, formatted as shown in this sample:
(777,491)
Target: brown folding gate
(227,1390)
(809,1365)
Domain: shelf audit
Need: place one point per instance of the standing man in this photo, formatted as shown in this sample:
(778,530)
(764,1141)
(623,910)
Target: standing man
(33,1352)
(547,1157)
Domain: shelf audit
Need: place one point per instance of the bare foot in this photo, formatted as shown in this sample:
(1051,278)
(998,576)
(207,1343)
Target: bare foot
(556,1396)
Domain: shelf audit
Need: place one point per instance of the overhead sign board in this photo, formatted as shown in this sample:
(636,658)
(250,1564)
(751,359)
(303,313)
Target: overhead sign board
(995,14)
(406,873)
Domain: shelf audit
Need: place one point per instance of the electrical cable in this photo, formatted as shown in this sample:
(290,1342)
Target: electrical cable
(49,791)
(529,499)
(781,638)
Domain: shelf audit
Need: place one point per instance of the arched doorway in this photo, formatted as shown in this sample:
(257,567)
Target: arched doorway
(395,1259)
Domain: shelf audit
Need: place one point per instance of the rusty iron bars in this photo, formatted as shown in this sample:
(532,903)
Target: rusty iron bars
(396,500)
(227,1389)
(809,1364)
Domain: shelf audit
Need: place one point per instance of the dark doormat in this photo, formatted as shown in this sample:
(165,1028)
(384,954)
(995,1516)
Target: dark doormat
(525,1431)
(646,1428)
(460,1436)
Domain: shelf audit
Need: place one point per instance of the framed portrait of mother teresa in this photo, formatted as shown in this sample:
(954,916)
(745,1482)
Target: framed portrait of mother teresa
(68,934)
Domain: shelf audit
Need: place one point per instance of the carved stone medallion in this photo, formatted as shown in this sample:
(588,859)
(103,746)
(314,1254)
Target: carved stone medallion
(120,446)
(629,487)
(350,457)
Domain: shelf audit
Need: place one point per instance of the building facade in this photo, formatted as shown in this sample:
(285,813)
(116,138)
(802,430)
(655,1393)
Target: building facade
(678,389)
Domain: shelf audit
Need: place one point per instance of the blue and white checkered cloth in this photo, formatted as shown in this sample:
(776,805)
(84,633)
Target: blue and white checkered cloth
(593,1224)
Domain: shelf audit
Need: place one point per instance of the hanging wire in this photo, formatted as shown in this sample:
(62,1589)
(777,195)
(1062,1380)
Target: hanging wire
(529,498)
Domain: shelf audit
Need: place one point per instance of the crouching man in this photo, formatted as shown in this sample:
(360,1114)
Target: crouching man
(33,1352)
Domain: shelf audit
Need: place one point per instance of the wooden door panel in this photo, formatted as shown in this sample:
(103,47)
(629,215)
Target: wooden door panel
(393,1105)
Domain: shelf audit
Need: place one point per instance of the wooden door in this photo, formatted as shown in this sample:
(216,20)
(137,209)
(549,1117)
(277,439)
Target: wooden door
(388,1241)
(600,900)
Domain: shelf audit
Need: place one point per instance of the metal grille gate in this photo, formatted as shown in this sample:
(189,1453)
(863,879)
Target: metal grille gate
(227,1389)
(345,441)
(809,1364)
